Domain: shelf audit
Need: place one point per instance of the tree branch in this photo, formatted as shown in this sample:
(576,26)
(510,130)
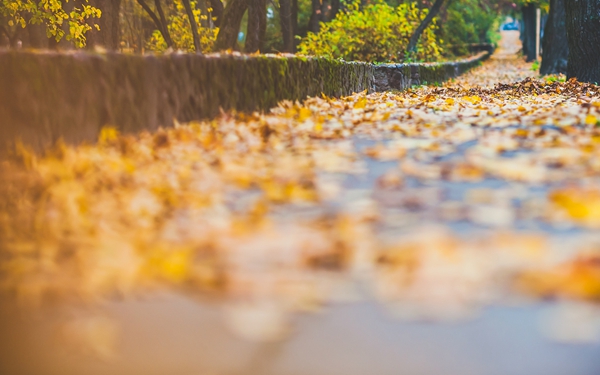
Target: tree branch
(157,22)
(217,11)
(163,20)
(414,39)
(190,14)
(2,29)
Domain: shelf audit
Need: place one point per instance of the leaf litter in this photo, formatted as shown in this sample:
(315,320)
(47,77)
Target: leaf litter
(436,201)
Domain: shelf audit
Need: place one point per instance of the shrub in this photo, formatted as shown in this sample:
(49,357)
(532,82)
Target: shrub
(466,22)
(375,33)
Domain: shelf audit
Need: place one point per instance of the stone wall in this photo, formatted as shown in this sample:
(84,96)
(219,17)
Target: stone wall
(403,76)
(46,96)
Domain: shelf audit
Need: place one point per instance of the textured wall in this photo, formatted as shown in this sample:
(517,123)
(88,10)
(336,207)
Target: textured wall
(45,96)
(403,76)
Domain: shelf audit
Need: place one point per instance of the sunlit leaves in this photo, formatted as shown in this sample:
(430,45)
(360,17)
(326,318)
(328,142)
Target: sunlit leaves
(284,209)
(180,31)
(375,33)
(51,14)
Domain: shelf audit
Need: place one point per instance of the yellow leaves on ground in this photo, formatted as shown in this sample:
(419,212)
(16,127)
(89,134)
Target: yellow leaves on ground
(472,99)
(303,114)
(169,262)
(581,205)
(360,103)
(576,279)
(107,135)
(591,120)
(288,207)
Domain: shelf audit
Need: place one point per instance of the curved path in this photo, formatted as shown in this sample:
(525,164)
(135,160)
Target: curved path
(429,204)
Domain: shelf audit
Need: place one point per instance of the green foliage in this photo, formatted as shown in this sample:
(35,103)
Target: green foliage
(50,13)
(556,78)
(466,22)
(181,31)
(274,36)
(544,4)
(375,33)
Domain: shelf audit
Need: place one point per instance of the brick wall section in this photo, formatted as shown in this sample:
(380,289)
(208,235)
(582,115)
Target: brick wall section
(46,96)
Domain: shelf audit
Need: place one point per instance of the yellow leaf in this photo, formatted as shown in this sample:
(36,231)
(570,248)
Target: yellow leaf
(170,263)
(591,120)
(304,113)
(108,134)
(472,99)
(360,103)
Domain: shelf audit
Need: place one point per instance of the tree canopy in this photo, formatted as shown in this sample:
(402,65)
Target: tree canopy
(366,30)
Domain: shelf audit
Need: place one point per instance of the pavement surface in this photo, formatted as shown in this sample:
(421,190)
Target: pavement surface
(369,217)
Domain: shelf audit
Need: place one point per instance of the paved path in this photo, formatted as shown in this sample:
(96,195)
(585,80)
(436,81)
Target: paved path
(435,202)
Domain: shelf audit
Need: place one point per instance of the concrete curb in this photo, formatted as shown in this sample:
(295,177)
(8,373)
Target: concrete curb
(47,96)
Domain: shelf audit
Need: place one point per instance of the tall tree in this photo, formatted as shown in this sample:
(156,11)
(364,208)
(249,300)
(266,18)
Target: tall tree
(315,19)
(555,48)
(287,26)
(295,21)
(202,6)
(583,35)
(12,37)
(193,24)
(160,23)
(230,24)
(163,21)
(529,31)
(108,36)
(37,36)
(257,25)
(414,39)
(336,6)
(217,11)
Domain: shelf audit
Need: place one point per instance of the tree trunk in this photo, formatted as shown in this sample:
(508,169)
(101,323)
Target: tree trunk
(324,12)
(161,24)
(194,26)
(217,11)
(414,39)
(164,23)
(13,40)
(230,24)
(315,17)
(335,8)
(4,37)
(295,21)
(583,35)
(37,36)
(522,33)
(285,18)
(108,35)
(257,25)
(529,16)
(555,49)
(201,4)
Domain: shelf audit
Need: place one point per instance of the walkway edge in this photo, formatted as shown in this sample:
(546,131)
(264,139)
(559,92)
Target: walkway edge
(47,96)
